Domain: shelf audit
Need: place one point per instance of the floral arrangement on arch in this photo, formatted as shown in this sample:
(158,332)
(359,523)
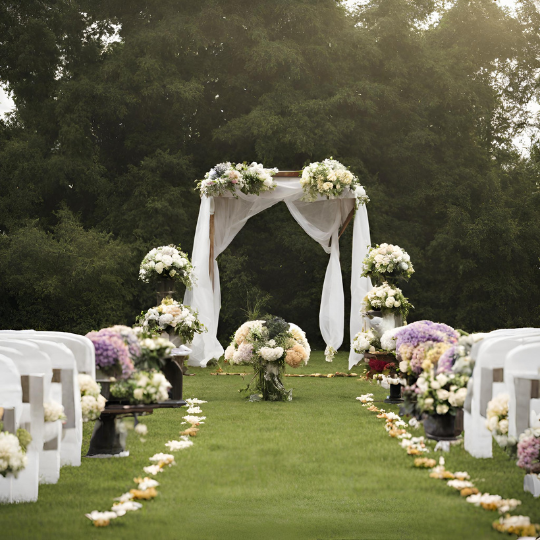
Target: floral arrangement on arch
(250,179)
(167,262)
(330,179)
(171,316)
(440,394)
(497,421)
(421,344)
(386,261)
(13,452)
(143,387)
(92,402)
(387,298)
(113,356)
(269,345)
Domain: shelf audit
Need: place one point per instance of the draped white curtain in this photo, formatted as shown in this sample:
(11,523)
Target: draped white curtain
(321,220)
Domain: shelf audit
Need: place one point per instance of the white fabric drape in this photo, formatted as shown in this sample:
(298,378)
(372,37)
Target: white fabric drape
(321,220)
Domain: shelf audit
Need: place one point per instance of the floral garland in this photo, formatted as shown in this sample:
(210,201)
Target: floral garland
(387,261)
(330,179)
(386,298)
(145,489)
(92,402)
(167,262)
(459,481)
(171,316)
(249,179)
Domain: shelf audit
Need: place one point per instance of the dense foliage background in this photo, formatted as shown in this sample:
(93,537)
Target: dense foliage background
(121,105)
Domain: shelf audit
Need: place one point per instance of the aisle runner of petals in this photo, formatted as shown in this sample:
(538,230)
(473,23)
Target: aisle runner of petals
(146,487)
(460,481)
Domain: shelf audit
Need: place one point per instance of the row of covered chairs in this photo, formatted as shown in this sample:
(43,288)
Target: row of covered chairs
(37,368)
(506,361)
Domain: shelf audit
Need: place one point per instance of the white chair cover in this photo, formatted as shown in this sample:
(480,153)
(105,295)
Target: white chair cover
(30,360)
(320,219)
(25,487)
(490,354)
(81,347)
(521,362)
(70,397)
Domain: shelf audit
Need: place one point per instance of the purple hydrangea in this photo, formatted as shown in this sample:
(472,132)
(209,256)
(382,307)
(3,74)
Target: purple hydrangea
(422,331)
(111,351)
(447,360)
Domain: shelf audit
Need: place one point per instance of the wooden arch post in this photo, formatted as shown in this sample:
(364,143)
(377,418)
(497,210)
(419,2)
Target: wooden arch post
(280,174)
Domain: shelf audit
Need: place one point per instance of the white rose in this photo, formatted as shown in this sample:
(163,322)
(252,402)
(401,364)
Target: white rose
(138,394)
(442,379)
(435,385)
(503,426)
(428,404)
(159,267)
(167,260)
(492,423)
(404,366)
(442,394)
(442,409)
(389,302)
(404,265)
(359,191)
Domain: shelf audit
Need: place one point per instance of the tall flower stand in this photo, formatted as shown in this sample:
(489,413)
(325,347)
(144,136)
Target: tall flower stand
(395,395)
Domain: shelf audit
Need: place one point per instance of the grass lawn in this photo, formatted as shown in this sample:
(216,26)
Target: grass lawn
(318,467)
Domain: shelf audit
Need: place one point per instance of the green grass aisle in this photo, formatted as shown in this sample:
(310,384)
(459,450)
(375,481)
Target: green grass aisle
(319,467)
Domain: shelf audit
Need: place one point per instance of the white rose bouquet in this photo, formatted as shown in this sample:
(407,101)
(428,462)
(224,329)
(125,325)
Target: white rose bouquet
(167,262)
(386,298)
(497,421)
(330,178)
(387,261)
(92,402)
(13,452)
(171,316)
(249,179)
(365,342)
(440,394)
(53,411)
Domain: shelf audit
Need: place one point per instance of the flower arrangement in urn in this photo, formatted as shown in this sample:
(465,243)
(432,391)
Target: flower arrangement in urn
(167,262)
(269,345)
(386,261)
(113,356)
(249,179)
(388,299)
(329,178)
(174,318)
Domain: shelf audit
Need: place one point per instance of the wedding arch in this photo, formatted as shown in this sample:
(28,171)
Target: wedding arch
(221,219)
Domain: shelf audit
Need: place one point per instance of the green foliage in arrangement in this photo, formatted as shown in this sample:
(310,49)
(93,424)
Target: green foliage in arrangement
(294,470)
(121,106)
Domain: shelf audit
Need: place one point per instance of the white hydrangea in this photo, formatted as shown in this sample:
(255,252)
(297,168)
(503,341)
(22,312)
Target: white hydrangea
(167,261)
(92,407)
(53,411)
(271,354)
(12,458)
(363,341)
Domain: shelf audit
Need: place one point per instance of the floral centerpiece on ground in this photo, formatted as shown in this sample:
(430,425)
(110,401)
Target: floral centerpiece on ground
(269,345)
(497,422)
(249,179)
(421,344)
(143,387)
(92,402)
(388,299)
(386,261)
(13,452)
(174,318)
(330,179)
(167,262)
(112,354)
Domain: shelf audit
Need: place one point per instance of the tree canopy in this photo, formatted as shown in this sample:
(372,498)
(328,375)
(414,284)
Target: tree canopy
(122,105)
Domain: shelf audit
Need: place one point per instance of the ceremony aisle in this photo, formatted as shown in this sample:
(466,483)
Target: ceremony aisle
(319,467)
